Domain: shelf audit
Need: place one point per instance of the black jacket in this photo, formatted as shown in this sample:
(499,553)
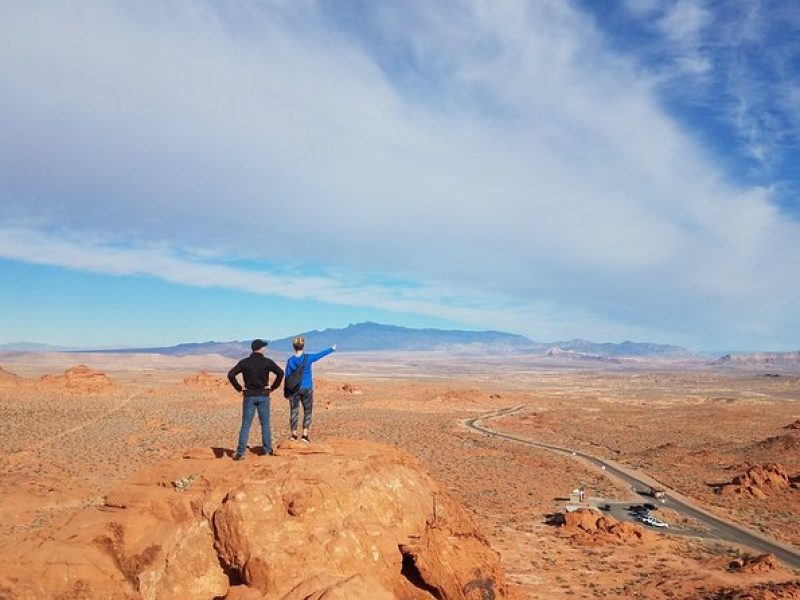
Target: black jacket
(255,370)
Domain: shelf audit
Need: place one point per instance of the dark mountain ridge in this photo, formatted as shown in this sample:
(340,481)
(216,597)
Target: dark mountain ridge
(369,336)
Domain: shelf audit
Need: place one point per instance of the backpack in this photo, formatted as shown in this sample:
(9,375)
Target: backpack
(291,385)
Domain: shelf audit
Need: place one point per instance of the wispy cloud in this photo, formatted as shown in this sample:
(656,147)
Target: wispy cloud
(488,155)
(738,60)
(204,269)
(684,23)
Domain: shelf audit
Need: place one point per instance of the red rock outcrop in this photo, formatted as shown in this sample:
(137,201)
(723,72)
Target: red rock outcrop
(794,425)
(758,482)
(205,380)
(344,520)
(588,526)
(762,563)
(80,378)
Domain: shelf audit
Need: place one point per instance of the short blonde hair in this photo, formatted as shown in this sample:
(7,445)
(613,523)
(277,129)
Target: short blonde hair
(299,342)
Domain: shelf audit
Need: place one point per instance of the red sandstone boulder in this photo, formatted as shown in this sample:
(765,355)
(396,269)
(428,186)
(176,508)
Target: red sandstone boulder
(80,378)
(205,380)
(591,527)
(763,563)
(758,482)
(359,510)
(344,520)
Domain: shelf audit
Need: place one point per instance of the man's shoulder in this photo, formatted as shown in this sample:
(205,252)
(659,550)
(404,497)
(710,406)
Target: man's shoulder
(251,360)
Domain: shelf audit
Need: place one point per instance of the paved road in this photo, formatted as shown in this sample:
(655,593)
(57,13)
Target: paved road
(641,483)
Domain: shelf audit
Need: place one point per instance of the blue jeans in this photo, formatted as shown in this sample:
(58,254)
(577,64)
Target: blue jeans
(251,404)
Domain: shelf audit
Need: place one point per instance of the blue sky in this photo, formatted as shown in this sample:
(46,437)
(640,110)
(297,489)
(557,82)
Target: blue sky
(184,171)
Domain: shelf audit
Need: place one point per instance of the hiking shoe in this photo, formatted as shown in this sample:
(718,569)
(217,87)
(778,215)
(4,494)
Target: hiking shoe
(238,456)
(268,453)
(293,438)
(305,440)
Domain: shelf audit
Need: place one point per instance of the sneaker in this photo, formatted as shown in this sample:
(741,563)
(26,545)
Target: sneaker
(238,456)
(293,437)
(305,439)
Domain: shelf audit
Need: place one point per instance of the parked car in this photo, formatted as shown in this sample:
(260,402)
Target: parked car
(650,506)
(652,521)
(659,522)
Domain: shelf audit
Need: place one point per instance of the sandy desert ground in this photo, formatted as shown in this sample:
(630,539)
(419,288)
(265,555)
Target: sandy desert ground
(67,439)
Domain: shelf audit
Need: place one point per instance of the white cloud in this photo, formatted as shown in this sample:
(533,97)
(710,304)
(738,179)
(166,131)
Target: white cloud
(201,269)
(685,20)
(684,23)
(499,150)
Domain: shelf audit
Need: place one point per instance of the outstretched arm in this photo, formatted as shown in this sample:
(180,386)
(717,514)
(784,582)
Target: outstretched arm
(232,376)
(323,354)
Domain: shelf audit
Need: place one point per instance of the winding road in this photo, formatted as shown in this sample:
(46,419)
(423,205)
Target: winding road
(641,483)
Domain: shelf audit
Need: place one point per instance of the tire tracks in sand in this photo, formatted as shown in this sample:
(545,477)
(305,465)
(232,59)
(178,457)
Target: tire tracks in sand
(22,455)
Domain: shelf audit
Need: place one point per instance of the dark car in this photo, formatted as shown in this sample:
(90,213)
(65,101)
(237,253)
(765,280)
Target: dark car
(650,506)
(605,507)
(636,508)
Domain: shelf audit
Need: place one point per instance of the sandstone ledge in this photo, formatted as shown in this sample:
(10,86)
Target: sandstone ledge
(345,519)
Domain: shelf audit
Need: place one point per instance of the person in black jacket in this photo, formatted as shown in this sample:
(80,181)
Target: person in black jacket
(255,370)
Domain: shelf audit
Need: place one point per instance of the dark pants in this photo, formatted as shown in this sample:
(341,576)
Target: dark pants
(304,396)
(251,404)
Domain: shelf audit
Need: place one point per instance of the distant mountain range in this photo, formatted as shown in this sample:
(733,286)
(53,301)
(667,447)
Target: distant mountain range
(626,348)
(364,337)
(32,347)
(760,359)
(368,336)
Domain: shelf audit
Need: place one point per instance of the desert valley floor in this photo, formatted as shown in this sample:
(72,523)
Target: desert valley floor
(728,439)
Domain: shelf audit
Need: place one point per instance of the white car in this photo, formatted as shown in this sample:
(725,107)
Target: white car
(653,522)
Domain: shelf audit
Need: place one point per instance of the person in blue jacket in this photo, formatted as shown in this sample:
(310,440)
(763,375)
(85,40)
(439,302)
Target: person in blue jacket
(305,394)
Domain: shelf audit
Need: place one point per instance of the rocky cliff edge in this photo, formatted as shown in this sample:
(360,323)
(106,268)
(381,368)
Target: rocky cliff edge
(345,519)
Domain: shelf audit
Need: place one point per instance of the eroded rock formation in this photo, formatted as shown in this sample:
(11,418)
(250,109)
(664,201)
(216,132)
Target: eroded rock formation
(354,520)
(762,563)
(588,526)
(79,378)
(205,380)
(758,482)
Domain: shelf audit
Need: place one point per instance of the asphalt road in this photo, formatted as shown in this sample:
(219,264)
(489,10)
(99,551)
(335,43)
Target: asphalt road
(641,483)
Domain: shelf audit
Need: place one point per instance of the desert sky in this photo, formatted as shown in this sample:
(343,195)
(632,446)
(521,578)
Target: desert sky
(606,170)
